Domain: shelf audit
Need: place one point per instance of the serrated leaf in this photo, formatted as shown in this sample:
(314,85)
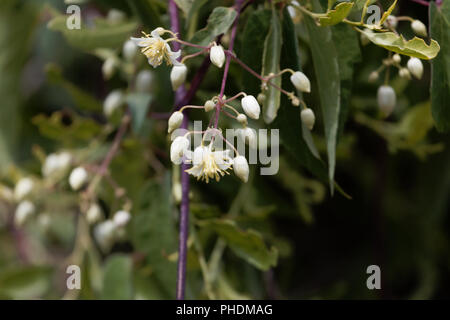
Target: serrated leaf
(219,21)
(138,104)
(326,66)
(247,244)
(117,279)
(387,13)
(271,64)
(336,15)
(81,98)
(102,35)
(440,75)
(415,47)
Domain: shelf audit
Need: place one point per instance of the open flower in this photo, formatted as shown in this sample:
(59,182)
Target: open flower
(208,164)
(156,49)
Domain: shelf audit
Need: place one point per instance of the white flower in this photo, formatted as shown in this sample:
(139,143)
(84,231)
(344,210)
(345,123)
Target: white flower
(386,99)
(24,210)
(373,76)
(178,149)
(247,135)
(78,178)
(391,22)
(178,76)
(56,163)
(109,67)
(419,28)
(208,164)
(129,50)
(113,102)
(121,218)
(242,118)
(301,81)
(157,50)
(240,166)
(23,188)
(251,106)
(105,233)
(209,105)
(175,121)
(404,73)
(94,214)
(308,118)
(217,55)
(144,81)
(396,57)
(415,66)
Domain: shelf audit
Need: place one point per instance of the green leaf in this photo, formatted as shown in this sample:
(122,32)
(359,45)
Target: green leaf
(288,120)
(153,233)
(440,75)
(339,13)
(219,22)
(326,66)
(138,104)
(415,47)
(25,282)
(81,98)
(102,35)
(251,53)
(79,131)
(147,13)
(271,64)
(117,279)
(387,13)
(248,244)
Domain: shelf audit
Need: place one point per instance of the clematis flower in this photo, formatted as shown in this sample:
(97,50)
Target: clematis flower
(157,49)
(208,164)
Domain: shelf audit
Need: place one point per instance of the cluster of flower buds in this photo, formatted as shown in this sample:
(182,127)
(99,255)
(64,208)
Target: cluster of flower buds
(416,25)
(386,96)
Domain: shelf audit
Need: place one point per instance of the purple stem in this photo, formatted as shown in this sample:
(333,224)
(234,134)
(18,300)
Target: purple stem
(423,2)
(238,7)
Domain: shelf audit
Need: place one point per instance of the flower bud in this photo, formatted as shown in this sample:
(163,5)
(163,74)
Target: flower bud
(419,28)
(178,76)
(175,121)
(113,101)
(242,119)
(24,211)
(251,106)
(415,66)
(78,178)
(364,39)
(144,81)
(178,148)
(248,135)
(104,234)
(261,98)
(240,166)
(94,214)
(217,55)
(108,68)
(129,50)
(56,163)
(404,73)
(301,81)
(115,16)
(121,218)
(397,58)
(23,188)
(386,99)
(391,21)
(209,105)
(177,192)
(308,118)
(373,76)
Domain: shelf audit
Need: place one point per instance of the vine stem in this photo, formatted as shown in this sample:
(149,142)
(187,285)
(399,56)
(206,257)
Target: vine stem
(238,6)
